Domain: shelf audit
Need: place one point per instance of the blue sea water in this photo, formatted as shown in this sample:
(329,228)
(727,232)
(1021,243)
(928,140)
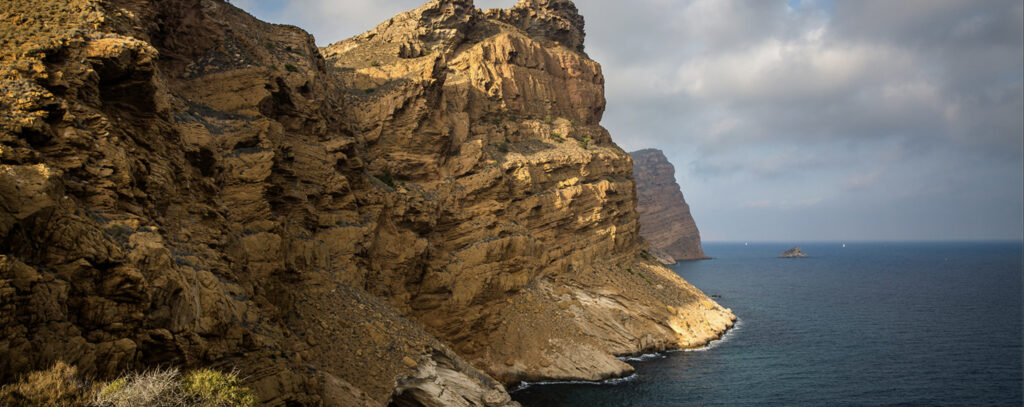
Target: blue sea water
(872,324)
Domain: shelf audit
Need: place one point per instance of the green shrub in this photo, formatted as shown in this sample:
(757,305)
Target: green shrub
(291,68)
(210,388)
(584,143)
(374,63)
(557,136)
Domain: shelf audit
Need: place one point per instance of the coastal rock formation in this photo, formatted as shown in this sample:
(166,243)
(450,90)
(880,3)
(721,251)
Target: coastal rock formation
(415,216)
(665,219)
(793,253)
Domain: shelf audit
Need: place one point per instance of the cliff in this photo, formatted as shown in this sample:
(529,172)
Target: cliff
(664,214)
(414,216)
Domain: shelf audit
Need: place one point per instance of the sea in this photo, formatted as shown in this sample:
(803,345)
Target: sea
(868,324)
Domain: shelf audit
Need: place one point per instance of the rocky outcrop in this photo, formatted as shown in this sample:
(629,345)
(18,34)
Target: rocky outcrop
(665,219)
(401,217)
(793,253)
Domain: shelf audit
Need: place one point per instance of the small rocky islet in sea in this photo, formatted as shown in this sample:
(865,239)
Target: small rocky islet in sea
(794,253)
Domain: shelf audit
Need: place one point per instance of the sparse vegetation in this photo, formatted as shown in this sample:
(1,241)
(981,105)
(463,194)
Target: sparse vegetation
(374,63)
(584,142)
(57,386)
(291,68)
(387,179)
(369,91)
(60,386)
(212,388)
(548,121)
(557,136)
(119,232)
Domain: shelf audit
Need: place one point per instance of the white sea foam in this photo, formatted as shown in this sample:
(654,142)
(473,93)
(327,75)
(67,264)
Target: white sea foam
(647,356)
(711,345)
(638,358)
(614,381)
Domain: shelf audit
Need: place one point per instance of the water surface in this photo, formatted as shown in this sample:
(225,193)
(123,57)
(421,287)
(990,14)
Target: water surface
(872,324)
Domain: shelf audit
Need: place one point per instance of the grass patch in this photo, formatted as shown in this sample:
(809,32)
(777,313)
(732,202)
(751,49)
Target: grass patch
(584,142)
(291,68)
(374,63)
(212,388)
(60,386)
(57,386)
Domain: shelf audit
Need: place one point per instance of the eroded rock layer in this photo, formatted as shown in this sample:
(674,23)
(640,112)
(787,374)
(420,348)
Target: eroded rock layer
(425,210)
(664,214)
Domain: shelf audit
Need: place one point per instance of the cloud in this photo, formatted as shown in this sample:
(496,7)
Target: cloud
(785,204)
(863,180)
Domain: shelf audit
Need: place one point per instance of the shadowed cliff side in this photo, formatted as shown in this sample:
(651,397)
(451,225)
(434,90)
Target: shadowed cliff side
(665,219)
(431,205)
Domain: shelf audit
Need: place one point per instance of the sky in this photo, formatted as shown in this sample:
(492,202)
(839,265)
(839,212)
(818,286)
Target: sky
(801,120)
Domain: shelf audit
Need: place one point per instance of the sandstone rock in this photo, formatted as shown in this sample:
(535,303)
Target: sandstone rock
(186,185)
(665,219)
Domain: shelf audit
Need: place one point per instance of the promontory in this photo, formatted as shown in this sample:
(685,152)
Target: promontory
(419,215)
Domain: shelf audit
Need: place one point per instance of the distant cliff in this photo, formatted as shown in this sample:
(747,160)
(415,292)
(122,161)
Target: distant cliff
(415,215)
(665,219)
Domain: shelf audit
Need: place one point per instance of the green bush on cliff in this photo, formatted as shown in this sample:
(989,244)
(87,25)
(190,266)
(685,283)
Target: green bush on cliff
(211,388)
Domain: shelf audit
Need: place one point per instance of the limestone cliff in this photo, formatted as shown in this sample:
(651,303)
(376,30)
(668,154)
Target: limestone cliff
(664,214)
(396,218)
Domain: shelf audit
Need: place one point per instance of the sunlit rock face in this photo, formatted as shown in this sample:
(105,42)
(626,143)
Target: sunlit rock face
(430,208)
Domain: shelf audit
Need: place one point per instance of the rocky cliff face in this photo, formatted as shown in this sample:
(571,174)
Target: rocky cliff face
(402,217)
(664,215)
